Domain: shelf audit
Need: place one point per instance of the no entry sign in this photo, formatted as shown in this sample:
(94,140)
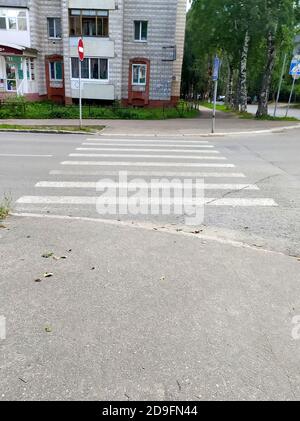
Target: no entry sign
(80,50)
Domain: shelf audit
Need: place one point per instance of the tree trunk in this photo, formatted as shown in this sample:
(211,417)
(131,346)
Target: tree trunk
(243,74)
(236,94)
(229,89)
(267,77)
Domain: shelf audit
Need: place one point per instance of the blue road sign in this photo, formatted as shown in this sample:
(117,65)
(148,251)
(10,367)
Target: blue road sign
(295,67)
(216,69)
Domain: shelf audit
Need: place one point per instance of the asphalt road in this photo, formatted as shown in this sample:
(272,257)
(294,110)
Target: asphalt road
(251,181)
(145,307)
(281,110)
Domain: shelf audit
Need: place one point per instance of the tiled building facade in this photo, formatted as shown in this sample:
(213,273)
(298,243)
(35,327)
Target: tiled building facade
(133,49)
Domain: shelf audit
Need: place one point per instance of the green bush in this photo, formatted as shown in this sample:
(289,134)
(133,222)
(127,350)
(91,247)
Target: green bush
(18,107)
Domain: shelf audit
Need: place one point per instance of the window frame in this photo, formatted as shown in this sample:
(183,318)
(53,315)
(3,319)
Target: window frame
(139,83)
(30,69)
(55,19)
(15,18)
(90,79)
(55,71)
(140,22)
(96,17)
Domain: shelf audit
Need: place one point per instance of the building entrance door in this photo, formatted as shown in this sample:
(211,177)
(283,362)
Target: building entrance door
(14,73)
(11,76)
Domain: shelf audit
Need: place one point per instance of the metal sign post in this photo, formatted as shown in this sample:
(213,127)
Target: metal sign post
(80,99)
(215,79)
(291,96)
(295,73)
(80,60)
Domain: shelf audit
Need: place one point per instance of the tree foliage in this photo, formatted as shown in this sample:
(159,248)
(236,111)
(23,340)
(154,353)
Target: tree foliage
(250,36)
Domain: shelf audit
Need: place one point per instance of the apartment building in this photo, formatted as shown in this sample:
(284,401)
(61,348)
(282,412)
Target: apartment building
(133,50)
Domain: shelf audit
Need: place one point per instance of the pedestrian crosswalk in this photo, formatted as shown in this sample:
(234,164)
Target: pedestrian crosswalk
(96,163)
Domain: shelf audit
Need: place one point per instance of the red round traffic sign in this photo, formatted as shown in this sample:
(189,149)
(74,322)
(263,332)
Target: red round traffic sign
(80,50)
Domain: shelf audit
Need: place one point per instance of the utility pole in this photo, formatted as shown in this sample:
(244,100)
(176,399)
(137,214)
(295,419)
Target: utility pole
(215,78)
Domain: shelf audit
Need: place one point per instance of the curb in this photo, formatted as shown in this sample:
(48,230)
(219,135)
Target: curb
(48,131)
(221,134)
(152,227)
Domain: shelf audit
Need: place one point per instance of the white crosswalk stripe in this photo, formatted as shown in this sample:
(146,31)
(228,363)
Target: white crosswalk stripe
(95,184)
(161,173)
(145,164)
(103,155)
(91,200)
(142,146)
(163,161)
(140,141)
(150,150)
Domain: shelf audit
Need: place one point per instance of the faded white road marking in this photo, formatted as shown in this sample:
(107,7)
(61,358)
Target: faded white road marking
(141,147)
(24,156)
(151,173)
(150,150)
(91,200)
(94,184)
(103,155)
(183,142)
(146,164)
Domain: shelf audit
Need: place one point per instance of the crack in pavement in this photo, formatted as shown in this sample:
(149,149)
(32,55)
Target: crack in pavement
(244,188)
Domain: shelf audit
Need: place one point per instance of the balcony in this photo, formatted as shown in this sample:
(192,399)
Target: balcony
(92,4)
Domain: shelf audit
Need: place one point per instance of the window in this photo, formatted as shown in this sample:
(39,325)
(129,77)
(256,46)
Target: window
(2,22)
(13,19)
(89,23)
(140,30)
(55,68)
(91,68)
(139,72)
(54,27)
(102,23)
(30,70)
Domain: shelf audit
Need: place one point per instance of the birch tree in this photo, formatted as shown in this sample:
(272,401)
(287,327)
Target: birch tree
(279,21)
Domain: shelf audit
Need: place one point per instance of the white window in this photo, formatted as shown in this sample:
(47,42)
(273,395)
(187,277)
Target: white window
(13,19)
(140,30)
(139,74)
(55,70)
(30,69)
(54,27)
(91,68)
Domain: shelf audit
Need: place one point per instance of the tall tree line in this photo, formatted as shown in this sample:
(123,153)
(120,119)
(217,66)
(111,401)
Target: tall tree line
(250,36)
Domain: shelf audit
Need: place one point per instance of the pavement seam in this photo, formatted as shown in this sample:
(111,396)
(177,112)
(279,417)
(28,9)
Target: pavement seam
(152,227)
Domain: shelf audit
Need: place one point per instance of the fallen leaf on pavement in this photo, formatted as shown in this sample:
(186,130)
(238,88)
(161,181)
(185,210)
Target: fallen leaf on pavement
(47,255)
(48,274)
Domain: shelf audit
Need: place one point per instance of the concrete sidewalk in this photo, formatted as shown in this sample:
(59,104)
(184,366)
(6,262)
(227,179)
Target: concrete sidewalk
(139,314)
(166,127)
